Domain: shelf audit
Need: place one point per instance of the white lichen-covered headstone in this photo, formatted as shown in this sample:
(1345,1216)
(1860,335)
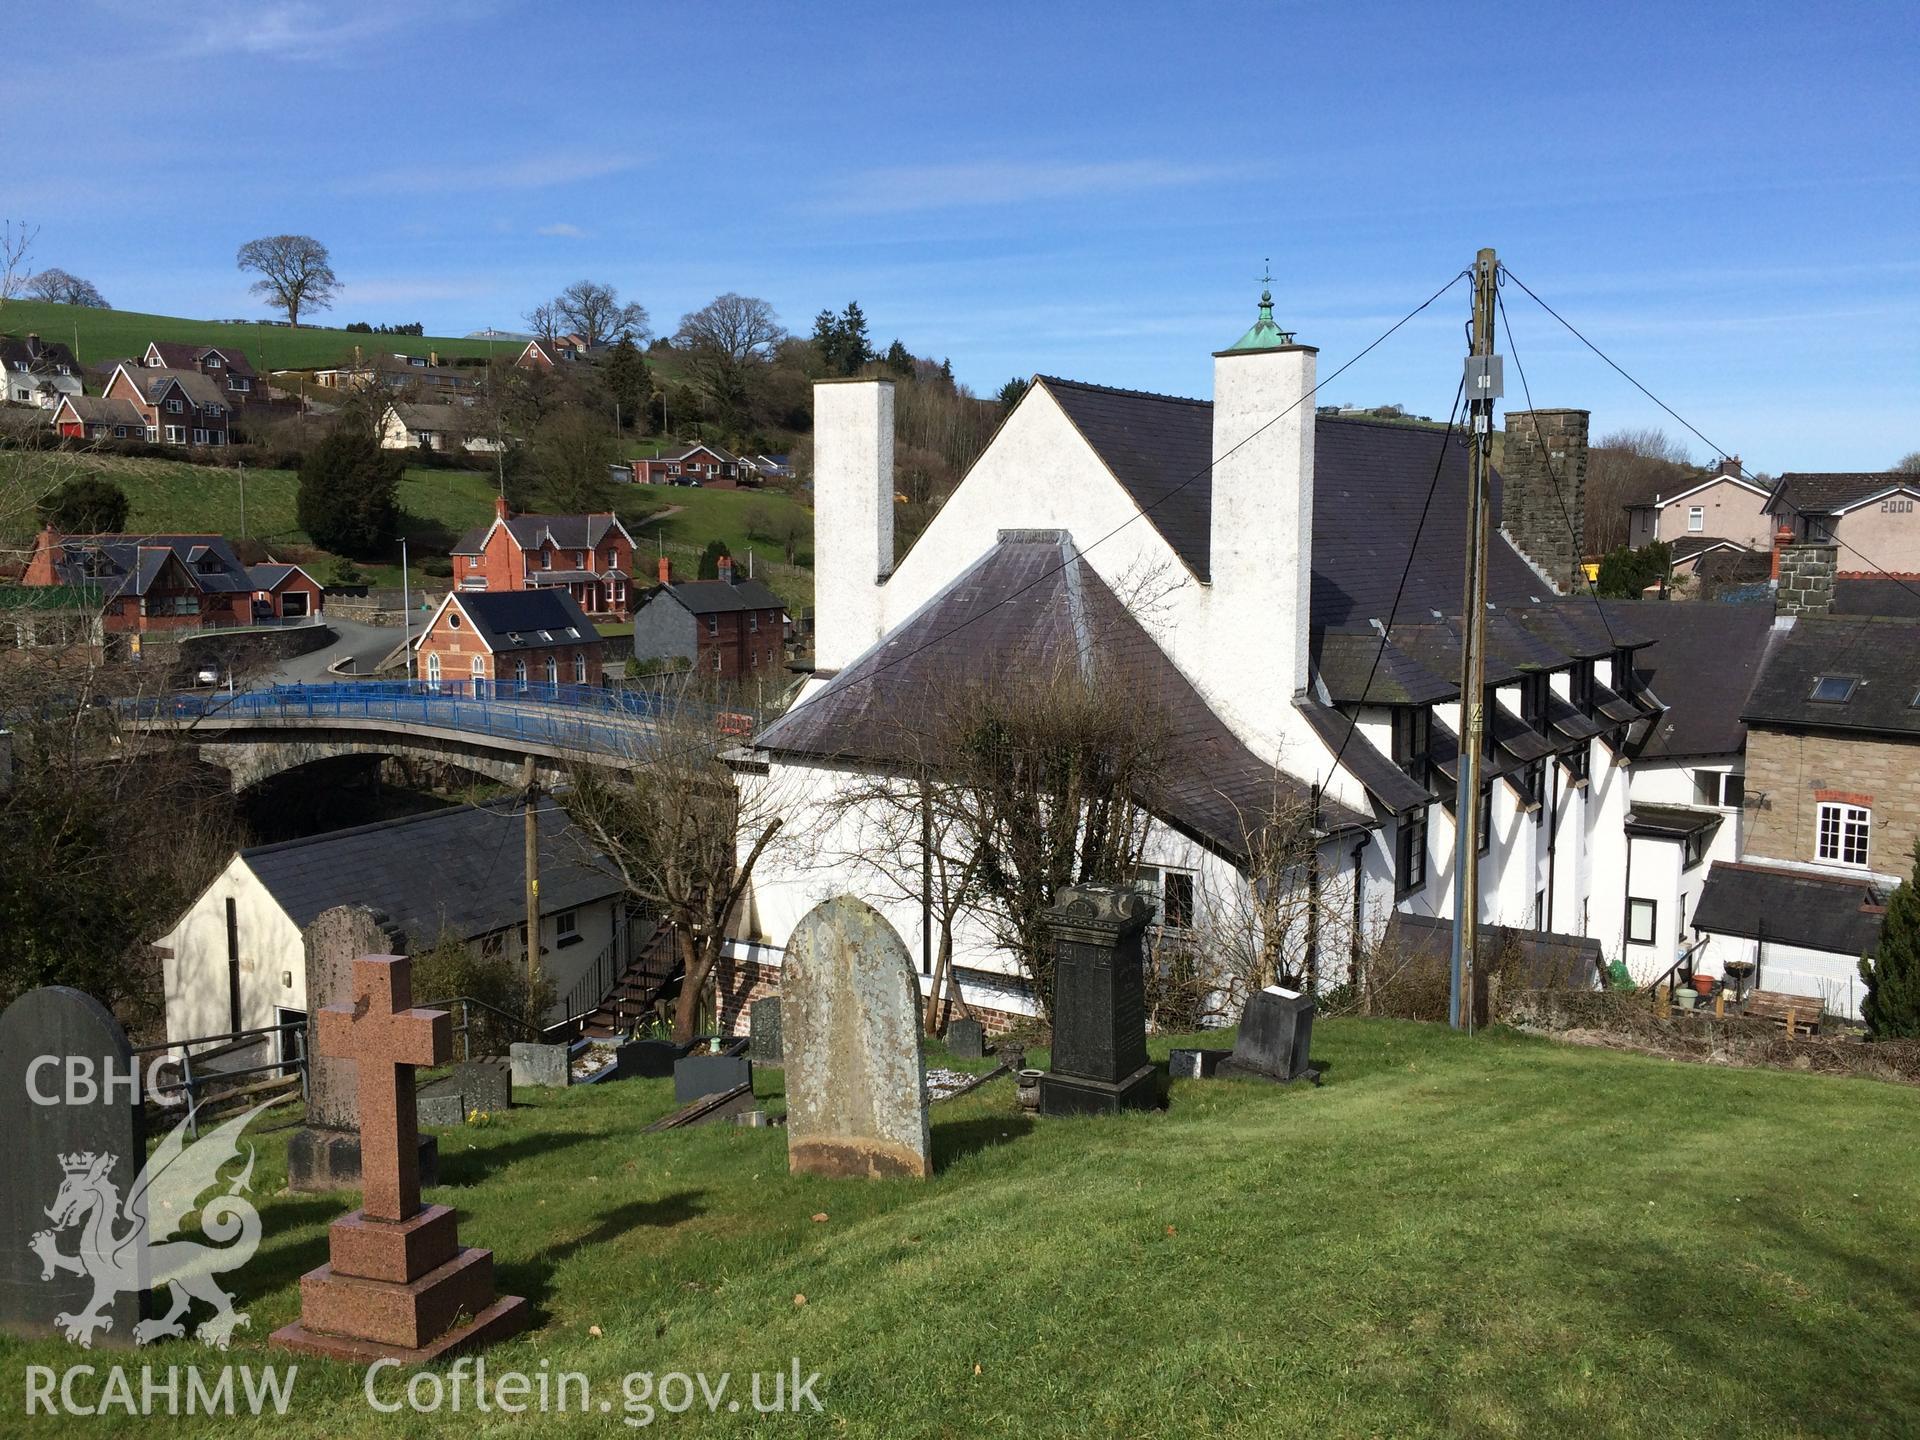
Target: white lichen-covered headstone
(856,1080)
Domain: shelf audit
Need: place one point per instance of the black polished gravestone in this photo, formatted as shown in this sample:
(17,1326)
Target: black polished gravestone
(68,1088)
(697,1076)
(1099,1003)
(1275,1040)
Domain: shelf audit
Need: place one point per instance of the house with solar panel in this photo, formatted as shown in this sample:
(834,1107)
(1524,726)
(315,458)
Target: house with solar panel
(1284,589)
(503,643)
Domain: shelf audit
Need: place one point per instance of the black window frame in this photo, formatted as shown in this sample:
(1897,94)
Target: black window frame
(1653,920)
(1533,781)
(1413,740)
(1579,761)
(1483,842)
(1693,850)
(1580,687)
(1533,701)
(1410,852)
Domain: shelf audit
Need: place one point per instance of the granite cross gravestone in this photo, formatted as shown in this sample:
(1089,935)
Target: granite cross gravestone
(67,1089)
(1099,1003)
(324,1154)
(856,1079)
(1275,1039)
(398,1282)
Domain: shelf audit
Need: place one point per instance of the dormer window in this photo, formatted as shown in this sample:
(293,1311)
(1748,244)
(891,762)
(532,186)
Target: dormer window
(1533,702)
(1412,737)
(1834,689)
(174,407)
(213,362)
(1581,687)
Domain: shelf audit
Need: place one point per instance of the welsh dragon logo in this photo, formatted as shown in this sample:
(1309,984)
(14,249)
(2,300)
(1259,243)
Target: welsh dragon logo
(137,1244)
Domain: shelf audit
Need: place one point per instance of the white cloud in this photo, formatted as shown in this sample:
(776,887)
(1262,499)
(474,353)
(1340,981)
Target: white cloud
(1001,182)
(525,172)
(288,29)
(562,229)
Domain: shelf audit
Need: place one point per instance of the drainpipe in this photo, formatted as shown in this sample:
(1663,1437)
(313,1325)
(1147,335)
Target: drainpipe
(1359,905)
(1553,843)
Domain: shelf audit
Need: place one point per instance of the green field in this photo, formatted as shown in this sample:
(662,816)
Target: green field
(439,506)
(121,334)
(1496,1236)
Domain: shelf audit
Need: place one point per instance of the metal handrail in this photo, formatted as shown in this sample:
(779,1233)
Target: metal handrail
(191,1083)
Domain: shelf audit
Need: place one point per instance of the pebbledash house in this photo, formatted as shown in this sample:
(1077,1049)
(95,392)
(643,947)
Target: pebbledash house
(1237,561)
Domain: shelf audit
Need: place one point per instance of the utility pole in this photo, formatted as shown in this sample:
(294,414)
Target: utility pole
(532,830)
(1483,388)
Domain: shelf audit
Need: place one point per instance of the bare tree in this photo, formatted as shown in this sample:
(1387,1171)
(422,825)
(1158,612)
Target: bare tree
(728,340)
(544,320)
(593,312)
(1625,468)
(16,244)
(296,273)
(1908,464)
(672,821)
(61,288)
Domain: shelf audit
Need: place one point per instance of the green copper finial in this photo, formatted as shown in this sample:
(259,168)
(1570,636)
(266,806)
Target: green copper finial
(1266,334)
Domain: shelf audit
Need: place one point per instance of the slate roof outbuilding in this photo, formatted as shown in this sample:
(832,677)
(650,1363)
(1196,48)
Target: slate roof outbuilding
(1835,913)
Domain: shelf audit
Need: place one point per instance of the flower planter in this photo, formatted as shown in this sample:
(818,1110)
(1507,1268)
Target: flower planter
(1027,1083)
(1703,984)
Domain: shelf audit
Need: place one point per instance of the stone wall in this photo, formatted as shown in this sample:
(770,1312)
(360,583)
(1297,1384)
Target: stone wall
(1790,773)
(1543,507)
(1806,579)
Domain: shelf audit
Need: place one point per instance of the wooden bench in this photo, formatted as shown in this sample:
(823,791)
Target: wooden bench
(1798,1014)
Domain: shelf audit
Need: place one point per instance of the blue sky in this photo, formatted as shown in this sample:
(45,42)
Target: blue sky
(1724,197)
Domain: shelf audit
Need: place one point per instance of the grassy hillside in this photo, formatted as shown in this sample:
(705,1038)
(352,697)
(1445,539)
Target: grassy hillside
(118,334)
(1492,1237)
(440,505)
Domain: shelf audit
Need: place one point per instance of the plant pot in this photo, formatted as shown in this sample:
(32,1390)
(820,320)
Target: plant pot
(1686,999)
(1027,1084)
(1703,984)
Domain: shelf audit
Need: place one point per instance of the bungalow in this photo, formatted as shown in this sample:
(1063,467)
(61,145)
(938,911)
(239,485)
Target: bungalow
(37,372)
(440,428)
(235,959)
(509,642)
(95,417)
(285,592)
(148,582)
(706,465)
(589,556)
(178,407)
(227,366)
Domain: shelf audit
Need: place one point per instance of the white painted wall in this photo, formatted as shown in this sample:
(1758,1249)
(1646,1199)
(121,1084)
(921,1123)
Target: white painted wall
(852,516)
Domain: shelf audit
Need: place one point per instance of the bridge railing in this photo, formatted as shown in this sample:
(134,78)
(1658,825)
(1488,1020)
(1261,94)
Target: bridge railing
(585,717)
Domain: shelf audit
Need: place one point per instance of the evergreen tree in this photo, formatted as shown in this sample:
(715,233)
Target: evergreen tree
(899,360)
(86,505)
(856,349)
(1892,1006)
(629,382)
(348,499)
(710,559)
(1010,394)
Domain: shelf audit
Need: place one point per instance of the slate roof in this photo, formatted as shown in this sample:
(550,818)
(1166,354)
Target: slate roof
(177,355)
(266,577)
(1028,606)
(1835,913)
(99,410)
(1357,668)
(1370,485)
(1882,655)
(1390,787)
(1829,492)
(129,564)
(510,620)
(1690,545)
(14,355)
(718,597)
(1735,567)
(530,532)
(1701,667)
(448,419)
(460,870)
(1671,822)
(202,390)
(1875,596)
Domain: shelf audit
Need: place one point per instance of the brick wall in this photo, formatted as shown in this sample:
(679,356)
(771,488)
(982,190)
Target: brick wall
(1535,510)
(1796,771)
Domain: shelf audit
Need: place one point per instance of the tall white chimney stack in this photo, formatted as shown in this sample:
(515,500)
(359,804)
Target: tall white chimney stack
(1261,562)
(852,515)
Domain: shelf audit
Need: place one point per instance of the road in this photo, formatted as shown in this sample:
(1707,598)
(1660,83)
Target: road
(367,645)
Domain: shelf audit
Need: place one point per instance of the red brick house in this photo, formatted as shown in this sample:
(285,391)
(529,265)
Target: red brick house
(704,465)
(148,582)
(507,643)
(285,592)
(588,556)
(227,367)
(177,407)
(546,354)
(730,628)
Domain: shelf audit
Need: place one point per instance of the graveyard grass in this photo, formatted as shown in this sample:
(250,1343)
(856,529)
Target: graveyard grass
(1498,1236)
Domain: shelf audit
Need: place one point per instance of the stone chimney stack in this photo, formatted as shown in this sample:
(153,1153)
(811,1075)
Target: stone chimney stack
(852,515)
(1805,574)
(1543,503)
(1261,538)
